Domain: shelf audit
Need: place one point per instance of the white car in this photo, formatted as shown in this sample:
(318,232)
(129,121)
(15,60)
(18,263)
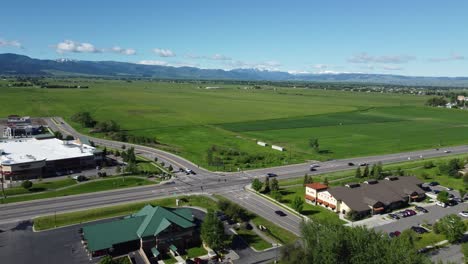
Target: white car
(463,213)
(441,204)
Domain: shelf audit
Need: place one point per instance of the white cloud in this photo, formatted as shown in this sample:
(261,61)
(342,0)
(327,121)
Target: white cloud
(76,47)
(394,59)
(164,52)
(452,57)
(219,57)
(153,62)
(391,68)
(294,72)
(120,50)
(10,43)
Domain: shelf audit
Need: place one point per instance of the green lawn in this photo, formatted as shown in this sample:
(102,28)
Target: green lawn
(87,187)
(187,119)
(40,187)
(51,221)
(195,252)
(253,239)
(428,239)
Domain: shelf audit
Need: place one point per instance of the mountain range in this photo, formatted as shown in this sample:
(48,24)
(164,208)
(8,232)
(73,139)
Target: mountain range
(15,64)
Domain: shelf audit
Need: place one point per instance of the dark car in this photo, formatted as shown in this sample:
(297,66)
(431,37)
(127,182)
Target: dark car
(452,202)
(312,169)
(434,183)
(458,200)
(421,209)
(418,229)
(435,191)
(81,178)
(193,173)
(394,234)
(280,213)
(271,174)
(363,164)
(394,216)
(350,164)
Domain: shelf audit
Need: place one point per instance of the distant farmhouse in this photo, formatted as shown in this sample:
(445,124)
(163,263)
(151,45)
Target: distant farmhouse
(371,197)
(153,231)
(26,158)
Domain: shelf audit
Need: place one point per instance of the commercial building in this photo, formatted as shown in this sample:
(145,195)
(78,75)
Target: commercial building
(28,158)
(20,126)
(370,197)
(154,231)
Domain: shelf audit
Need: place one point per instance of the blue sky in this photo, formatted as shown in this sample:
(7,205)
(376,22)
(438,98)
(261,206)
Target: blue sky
(414,37)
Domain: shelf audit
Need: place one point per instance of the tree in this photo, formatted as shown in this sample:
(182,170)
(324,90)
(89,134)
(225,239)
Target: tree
(274,185)
(257,184)
(170,168)
(297,204)
(378,171)
(325,181)
(400,172)
(306,180)
(452,226)
(155,159)
(267,185)
(429,164)
(443,196)
(58,135)
(106,260)
(436,101)
(276,195)
(454,167)
(365,174)
(313,143)
(462,193)
(358,173)
(212,231)
(84,119)
(323,241)
(27,184)
(132,168)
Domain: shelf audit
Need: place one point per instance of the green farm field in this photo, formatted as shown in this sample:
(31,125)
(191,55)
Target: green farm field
(188,119)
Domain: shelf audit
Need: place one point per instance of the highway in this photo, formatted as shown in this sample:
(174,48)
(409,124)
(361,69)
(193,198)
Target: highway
(230,185)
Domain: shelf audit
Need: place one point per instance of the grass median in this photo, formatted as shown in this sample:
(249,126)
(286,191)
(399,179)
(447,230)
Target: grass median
(113,183)
(52,221)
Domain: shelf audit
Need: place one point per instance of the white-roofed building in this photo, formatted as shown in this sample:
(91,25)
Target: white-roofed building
(30,157)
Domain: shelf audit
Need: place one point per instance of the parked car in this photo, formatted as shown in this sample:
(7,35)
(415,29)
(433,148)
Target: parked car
(394,234)
(80,178)
(447,151)
(350,164)
(452,202)
(435,191)
(421,209)
(434,183)
(441,204)
(271,174)
(418,229)
(463,213)
(458,200)
(394,216)
(280,213)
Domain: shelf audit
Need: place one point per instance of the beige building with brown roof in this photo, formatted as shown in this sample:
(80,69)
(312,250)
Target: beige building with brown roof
(369,197)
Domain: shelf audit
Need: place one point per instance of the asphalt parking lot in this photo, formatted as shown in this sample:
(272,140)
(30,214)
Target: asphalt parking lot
(435,213)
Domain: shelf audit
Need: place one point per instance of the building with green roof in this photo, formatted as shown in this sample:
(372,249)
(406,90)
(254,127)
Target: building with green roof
(155,230)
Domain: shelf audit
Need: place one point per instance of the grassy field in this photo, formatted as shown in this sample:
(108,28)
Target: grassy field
(188,119)
(253,239)
(87,187)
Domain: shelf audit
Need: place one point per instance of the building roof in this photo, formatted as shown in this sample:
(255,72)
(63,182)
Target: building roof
(317,186)
(364,196)
(26,150)
(149,221)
